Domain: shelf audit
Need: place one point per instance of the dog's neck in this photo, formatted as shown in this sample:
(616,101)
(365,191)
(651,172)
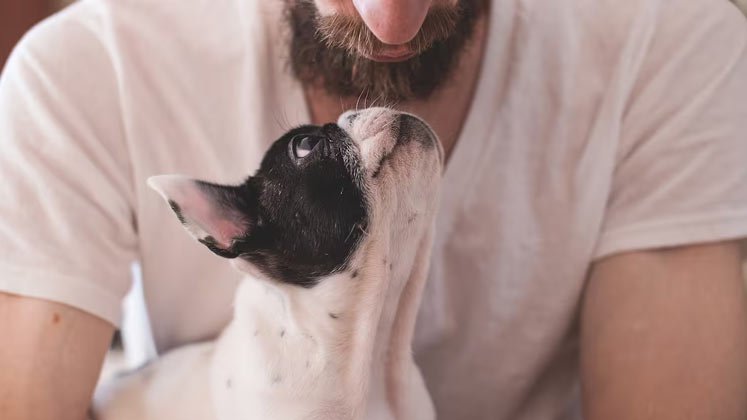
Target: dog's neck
(356,325)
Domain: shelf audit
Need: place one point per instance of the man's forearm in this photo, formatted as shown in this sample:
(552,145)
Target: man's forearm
(664,336)
(49,360)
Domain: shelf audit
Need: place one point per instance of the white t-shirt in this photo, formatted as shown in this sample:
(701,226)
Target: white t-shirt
(598,126)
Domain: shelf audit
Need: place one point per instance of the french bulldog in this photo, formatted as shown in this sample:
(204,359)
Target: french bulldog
(334,233)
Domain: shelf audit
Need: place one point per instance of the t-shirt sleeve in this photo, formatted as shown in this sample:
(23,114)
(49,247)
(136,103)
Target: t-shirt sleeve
(66,221)
(681,173)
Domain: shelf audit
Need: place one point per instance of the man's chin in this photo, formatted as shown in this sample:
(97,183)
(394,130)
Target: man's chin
(391,74)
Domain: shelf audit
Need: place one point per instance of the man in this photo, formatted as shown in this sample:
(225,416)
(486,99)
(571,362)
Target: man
(595,189)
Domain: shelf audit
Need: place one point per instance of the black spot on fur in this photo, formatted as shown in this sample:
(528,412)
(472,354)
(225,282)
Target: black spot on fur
(381,165)
(411,128)
(212,245)
(175,207)
(352,117)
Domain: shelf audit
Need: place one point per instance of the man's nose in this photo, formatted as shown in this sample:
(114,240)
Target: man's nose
(393,21)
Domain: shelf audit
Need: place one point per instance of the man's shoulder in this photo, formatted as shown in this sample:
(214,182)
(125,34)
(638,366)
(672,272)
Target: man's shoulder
(632,38)
(621,20)
(149,30)
(76,31)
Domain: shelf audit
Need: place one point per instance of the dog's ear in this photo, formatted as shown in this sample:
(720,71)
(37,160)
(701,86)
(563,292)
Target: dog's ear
(215,215)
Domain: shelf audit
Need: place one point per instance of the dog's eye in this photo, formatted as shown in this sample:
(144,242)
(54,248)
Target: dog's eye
(303,145)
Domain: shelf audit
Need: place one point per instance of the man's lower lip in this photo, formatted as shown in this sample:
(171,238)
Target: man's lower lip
(385,58)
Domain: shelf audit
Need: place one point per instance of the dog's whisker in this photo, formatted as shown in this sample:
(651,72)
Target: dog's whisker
(357,101)
(286,120)
(351,232)
(365,101)
(376,99)
(277,121)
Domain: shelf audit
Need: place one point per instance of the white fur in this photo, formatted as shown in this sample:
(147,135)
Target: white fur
(337,351)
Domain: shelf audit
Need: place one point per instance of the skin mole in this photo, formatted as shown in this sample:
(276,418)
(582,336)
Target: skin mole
(56,318)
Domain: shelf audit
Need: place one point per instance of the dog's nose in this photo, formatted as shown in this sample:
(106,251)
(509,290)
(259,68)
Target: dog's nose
(347,119)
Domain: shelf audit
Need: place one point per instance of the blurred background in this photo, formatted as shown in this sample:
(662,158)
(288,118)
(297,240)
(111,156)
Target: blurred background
(17,16)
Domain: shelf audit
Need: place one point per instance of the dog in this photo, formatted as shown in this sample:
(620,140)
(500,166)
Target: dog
(334,234)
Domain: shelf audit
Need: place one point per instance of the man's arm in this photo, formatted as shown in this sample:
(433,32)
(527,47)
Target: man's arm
(50,359)
(664,336)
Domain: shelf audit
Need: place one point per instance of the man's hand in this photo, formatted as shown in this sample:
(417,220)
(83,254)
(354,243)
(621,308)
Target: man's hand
(50,359)
(664,336)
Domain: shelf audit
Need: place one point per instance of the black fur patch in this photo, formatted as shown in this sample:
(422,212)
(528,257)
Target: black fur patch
(212,245)
(175,207)
(304,217)
(411,128)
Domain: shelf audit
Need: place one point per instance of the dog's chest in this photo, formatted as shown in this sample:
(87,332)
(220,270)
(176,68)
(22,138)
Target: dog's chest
(274,351)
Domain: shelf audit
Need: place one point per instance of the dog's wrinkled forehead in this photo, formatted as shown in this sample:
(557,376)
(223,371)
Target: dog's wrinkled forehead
(306,210)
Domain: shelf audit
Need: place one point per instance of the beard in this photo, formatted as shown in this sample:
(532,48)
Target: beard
(331,52)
